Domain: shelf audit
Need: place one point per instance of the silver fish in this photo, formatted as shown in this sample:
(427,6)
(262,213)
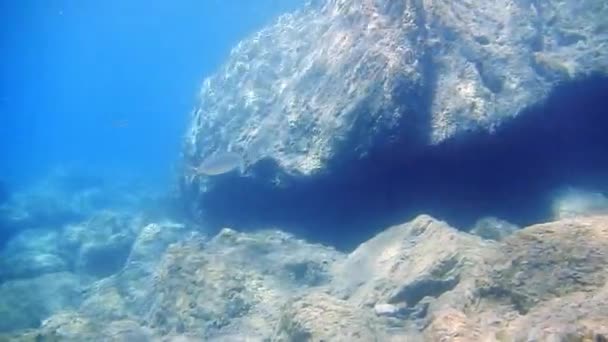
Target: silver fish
(220,163)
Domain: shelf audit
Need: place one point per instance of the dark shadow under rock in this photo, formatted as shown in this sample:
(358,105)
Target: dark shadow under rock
(510,174)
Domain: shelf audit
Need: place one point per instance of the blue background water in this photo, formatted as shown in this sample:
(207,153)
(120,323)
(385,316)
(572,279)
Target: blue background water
(109,84)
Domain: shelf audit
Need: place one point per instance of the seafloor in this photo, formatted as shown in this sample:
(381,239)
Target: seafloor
(105,263)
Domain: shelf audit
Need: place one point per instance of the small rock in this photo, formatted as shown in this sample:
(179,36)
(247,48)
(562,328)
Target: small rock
(386,309)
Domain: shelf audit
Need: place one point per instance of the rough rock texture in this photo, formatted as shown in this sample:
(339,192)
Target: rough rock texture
(335,80)
(26,302)
(551,260)
(419,281)
(228,288)
(109,246)
(232,286)
(126,293)
(70,327)
(413,266)
(320,317)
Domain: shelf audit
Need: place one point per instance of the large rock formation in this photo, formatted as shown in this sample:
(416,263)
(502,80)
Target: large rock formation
(349,102)
(336,81)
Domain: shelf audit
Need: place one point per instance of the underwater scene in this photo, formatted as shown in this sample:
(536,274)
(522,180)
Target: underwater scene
(292,170)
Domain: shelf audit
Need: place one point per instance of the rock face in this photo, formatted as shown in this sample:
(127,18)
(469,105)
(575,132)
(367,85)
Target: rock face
(338,80)
(348,102)
(419,281)
(412,265)
(319,317)
(232,286)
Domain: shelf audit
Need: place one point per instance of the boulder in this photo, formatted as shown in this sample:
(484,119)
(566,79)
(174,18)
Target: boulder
(233,286)
(413,265)
(541,282)
(340,79)
(354,115)
(551,260)
(320,317)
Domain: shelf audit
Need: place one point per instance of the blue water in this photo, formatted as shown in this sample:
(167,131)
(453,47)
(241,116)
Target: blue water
(108,85)
(95,96)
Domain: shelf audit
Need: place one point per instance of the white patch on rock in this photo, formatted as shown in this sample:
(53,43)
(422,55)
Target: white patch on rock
(385,309)
(573,202)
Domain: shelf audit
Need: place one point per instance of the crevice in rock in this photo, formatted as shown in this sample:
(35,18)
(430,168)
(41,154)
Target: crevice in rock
(413,293)
(510,174)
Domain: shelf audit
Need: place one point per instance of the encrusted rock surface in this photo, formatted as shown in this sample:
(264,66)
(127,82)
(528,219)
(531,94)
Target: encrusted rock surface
(338,78)
(419,281)
(320,317)
(233,285)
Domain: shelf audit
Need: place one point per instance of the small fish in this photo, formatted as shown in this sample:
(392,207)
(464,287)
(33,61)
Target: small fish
(220,163)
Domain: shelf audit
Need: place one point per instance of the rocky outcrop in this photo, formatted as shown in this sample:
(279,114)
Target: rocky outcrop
(232,286)
(320,317)
(547,261)
(340,79)
(419,281)
(396,108)
(126,293)
(413,267)
(228,288)
(548,282)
